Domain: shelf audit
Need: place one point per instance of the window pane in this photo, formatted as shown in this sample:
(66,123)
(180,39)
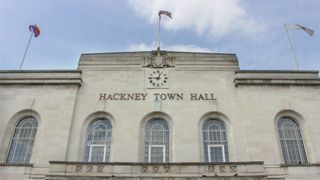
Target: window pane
(22,141)
(97,153)
(216,154)
(156,154)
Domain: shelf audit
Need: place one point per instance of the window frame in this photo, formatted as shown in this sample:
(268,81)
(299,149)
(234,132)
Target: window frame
(163,152)
(148,130)
(12,139)
(98,145)
(107,142)
(222,149)
(300,129)
(205,143)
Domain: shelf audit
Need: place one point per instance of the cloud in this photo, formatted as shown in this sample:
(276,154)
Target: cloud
(176,47)
(214,17)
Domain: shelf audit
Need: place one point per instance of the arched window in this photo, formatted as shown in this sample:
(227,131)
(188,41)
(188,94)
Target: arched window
(98,141)
(291,141)
(22,141)
(156,141)
(215,141)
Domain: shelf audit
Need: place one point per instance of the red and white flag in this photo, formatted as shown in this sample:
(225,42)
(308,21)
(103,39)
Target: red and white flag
(167,13)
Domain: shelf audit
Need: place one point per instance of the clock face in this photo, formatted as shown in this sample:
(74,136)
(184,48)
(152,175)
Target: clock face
(158,79)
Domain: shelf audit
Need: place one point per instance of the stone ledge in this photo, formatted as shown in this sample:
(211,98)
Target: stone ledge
(40,82)
(123,60)
(299,165)
(277,82)
(161,170)
(16,164)
(276,78)
(133,177)
(143,163)
(35,77)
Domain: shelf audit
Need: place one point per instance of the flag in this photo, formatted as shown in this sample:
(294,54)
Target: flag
(297,26)
(165,13)
(35,29)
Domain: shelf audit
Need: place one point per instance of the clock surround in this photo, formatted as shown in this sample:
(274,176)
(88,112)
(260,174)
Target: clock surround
(157,78)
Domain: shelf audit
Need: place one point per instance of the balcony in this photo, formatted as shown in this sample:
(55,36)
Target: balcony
(124,170)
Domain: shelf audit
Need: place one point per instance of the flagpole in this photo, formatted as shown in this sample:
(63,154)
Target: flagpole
(25,52)
(158,48)
(292,49)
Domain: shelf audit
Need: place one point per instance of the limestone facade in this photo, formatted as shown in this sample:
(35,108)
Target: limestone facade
(126,89)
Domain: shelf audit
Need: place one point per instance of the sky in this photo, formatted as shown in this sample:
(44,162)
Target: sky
(252,29)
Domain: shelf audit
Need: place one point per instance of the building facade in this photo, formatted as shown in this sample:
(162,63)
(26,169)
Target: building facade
(159,115)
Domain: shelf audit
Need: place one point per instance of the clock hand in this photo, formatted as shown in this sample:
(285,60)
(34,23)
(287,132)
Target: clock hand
(160,75)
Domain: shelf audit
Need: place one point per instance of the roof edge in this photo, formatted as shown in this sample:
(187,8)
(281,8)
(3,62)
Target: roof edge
(277,71)
(134,52)
(41,71)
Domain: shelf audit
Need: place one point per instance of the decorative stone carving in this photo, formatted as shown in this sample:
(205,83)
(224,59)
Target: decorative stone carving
(100,168)
(155,169)
(144,169)
(89,168)
(158,59)
(78,168)
(233,169)
(253,170)
(211,169)
(166,169)
(222,169)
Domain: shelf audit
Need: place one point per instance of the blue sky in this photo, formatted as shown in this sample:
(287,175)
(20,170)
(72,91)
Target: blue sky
(252,29)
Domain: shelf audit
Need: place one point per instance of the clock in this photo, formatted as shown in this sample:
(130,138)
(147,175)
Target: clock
(157,78)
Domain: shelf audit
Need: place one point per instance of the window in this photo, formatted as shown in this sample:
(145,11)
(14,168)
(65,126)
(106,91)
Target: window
(216,153)
(156,141)
(22,141)
(157,153)
(98,142)
(291,142)
(215,141)
(97,153)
